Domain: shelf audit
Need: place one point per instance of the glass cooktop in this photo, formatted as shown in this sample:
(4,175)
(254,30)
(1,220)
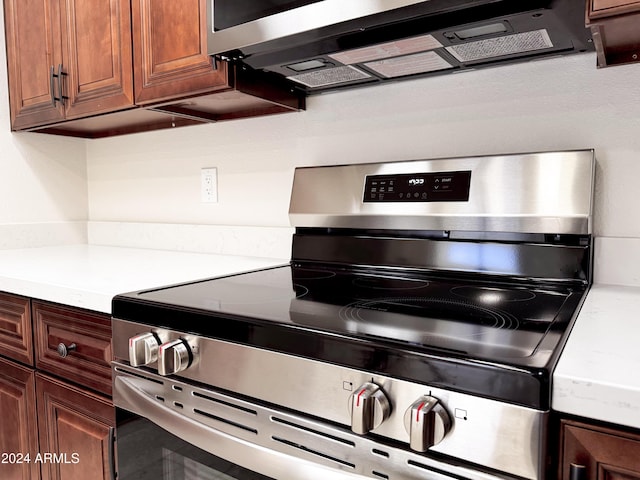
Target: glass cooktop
(454,316)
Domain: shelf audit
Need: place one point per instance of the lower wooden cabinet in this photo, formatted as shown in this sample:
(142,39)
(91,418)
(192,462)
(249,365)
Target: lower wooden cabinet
(78,427)
(18,427)
(602,453)
(56,417)
(15,328)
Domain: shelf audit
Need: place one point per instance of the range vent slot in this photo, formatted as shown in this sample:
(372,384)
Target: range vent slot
(382,453)
(441,473)
(313,432)
(314,452)
(138,375)
(226,404)
(226,421)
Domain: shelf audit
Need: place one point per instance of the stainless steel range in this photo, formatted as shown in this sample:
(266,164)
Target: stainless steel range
(412,336)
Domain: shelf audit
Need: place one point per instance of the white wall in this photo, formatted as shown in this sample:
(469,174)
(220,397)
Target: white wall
(554,104)
(43,182)
(52,185)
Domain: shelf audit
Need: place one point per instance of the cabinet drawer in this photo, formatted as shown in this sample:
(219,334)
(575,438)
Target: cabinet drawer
(15,328)
(89,336)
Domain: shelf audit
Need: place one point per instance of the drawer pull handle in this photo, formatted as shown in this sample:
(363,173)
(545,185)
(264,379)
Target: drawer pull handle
(63,350)
(577,472)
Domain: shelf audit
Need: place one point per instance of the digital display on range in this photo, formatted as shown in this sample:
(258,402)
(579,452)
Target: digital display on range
(418,187)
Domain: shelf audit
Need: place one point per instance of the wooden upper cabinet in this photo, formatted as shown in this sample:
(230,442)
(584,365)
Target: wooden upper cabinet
(32,29)
(144,62)
(67,48)
(607,8)
(615,27)
(96,56)
(170,51)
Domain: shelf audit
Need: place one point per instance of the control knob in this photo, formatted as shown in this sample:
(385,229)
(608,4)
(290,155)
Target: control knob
(174,357)
(143,349)
(427,423)
(369,407)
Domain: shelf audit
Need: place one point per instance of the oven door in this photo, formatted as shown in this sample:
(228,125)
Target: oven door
(146,451)
(170,430)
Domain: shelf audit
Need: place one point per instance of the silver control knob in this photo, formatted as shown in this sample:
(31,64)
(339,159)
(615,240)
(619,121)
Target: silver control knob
(369,407)
(143,349)
(174,357)
(427,423)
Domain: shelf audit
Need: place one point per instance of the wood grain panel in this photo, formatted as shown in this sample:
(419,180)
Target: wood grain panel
(16,337)
(97,56)
(88,365)
(75,424)
(170,51)
(612,7)
(19,428)
(32,29)
(608,454)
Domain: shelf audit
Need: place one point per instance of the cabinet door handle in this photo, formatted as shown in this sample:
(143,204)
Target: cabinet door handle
(61,96)
(577,472)
(59,74)
(112,455)
(52,75)
(64,350)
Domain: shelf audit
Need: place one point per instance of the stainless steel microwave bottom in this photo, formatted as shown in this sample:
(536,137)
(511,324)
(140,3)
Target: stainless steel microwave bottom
(272,442)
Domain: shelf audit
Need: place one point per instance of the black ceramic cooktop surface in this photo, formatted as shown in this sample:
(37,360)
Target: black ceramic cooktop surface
(458,316)
(495,338)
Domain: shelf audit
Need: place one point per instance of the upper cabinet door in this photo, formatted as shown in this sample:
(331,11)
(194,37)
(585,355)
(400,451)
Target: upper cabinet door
(67,59)
(33,49)
(170,51)
(97,62)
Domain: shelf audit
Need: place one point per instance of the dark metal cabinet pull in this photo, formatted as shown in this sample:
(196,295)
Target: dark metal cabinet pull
(64,350)
(61,96)
(577,472)
(112,454)
(52,75)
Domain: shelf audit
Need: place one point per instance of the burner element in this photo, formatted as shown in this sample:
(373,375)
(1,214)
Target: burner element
(420,313)
(389,283)
(492,296)
(312,274)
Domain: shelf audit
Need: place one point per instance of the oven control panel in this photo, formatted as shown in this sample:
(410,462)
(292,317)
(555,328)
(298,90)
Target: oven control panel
(418,187)
(420,417)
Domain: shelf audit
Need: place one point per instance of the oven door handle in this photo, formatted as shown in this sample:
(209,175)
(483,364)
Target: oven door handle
(129,394)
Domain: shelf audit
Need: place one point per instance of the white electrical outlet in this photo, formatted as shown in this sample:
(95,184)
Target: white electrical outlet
(209,185)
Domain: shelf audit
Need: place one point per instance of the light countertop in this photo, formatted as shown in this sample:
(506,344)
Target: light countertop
(598,373)
(88,276)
